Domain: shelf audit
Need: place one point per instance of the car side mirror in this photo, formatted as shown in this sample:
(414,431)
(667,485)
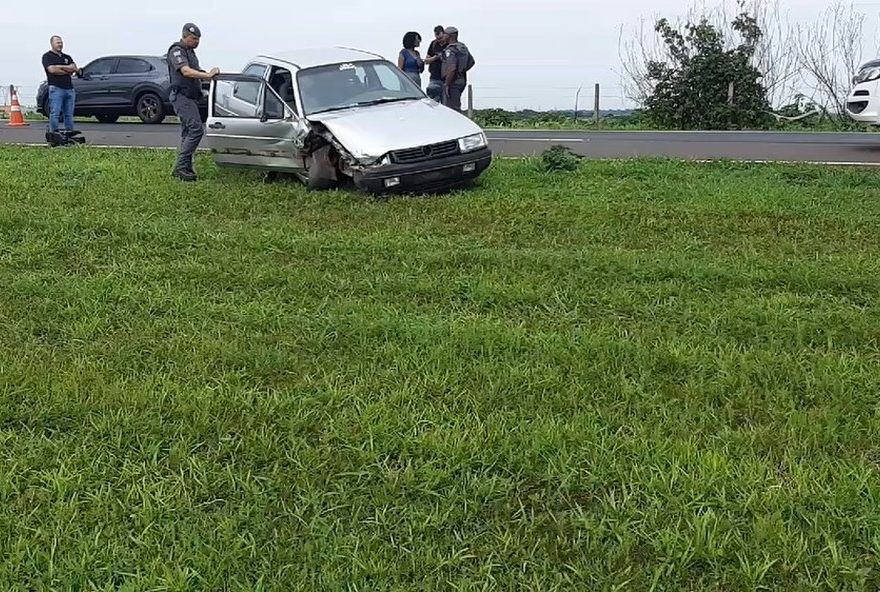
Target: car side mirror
(84,76)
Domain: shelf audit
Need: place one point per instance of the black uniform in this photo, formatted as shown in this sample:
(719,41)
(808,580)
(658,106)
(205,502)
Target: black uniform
(185,95)
(457,59)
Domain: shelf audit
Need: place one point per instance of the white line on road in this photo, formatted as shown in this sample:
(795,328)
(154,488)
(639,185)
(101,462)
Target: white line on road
(102,146)
(568,140)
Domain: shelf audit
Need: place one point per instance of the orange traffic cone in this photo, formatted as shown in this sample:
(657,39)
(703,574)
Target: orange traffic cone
(16,119)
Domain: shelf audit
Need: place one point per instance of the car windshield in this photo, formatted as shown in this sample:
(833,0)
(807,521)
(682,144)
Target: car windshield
(342,86)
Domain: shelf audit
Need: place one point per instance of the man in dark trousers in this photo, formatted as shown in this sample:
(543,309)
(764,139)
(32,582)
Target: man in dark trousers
(59,68)
(186,91)
(435,55)
(457,60)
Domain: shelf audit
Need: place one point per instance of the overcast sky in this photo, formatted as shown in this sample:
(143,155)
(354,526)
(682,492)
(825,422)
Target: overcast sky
(530,53)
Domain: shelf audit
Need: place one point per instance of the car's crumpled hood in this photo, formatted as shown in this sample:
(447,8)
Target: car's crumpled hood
(369,133)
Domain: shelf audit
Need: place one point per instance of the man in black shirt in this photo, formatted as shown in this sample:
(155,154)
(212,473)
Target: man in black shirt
(62,97)
(435,54)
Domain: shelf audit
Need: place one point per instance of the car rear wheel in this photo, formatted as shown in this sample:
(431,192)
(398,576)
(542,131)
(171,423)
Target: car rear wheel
(149,108)
(107,118)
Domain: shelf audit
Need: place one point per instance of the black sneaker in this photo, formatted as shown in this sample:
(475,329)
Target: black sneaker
(185,176)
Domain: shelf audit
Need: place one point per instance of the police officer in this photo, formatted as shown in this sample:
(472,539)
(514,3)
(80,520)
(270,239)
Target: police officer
(186,91)
(457,61)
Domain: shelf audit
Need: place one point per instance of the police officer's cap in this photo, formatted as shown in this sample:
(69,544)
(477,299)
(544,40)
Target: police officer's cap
(451,31)
(191,29)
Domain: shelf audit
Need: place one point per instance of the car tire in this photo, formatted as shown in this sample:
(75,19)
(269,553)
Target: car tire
(107,118)
(322,173)
(149,108)
(320,183)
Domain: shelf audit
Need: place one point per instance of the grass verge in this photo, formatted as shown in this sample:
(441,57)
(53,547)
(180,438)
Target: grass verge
(639,375)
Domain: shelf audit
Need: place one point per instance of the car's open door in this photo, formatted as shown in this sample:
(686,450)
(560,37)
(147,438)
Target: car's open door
(250,126)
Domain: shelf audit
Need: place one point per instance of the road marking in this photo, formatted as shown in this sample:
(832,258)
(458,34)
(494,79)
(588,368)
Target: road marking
(810,162)
(568,140)
(102,146)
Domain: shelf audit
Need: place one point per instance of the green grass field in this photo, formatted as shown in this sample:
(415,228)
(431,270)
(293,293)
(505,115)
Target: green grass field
(643,375)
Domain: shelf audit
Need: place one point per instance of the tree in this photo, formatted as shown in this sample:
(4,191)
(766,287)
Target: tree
(829,52)
(775,55)
(703,84)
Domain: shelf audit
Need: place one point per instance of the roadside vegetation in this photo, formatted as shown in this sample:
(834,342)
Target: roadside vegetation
(745,64)
(617,375)
(638,120)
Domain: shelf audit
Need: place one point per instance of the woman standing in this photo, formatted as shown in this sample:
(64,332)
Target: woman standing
(409,60)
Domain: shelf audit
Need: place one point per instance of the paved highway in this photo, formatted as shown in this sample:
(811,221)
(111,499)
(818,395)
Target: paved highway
(851,148)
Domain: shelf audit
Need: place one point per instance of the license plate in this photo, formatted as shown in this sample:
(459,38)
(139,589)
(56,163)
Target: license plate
(437,175)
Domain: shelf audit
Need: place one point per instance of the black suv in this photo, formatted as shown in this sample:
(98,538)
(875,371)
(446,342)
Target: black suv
(115,86)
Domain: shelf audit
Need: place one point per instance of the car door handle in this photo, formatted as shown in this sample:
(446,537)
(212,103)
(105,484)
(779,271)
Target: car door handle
(217,125)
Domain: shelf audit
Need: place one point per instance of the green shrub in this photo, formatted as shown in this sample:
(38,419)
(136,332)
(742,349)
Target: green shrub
(560,158)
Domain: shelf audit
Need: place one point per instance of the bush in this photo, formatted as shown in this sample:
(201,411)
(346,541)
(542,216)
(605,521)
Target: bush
(691,88)
(560,158)
(494,118)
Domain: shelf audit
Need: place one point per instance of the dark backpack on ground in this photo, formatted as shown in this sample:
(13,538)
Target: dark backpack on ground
(65,138)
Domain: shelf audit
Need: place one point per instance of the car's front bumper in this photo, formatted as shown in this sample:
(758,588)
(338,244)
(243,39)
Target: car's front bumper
(863,103)
(433,175)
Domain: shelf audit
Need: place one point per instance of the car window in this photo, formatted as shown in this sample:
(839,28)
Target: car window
(258,70)
(388,80)
(281,82)
(342,86)
(133,66)
(100,67)
(228,100)
(274,107)
(249,91)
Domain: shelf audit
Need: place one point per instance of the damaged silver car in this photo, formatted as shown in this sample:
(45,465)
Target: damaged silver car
(337,117)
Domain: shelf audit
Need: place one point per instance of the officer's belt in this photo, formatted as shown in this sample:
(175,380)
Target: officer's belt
(188,91)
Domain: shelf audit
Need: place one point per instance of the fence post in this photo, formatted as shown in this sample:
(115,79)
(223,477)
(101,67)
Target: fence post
(470,99)
(596,106)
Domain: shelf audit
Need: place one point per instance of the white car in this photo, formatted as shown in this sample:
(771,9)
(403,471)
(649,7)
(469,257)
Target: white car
(341,116)
(863,102)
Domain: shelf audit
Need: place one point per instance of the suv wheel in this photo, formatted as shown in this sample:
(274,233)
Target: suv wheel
(107,118)
(149,108)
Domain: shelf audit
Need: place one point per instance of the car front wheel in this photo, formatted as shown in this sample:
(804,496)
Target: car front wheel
(107,118)
(149,108)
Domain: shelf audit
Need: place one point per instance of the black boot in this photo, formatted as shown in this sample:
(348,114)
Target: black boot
(183,175)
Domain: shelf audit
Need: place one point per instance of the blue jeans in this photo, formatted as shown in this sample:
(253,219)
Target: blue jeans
(61,104)
(435,90)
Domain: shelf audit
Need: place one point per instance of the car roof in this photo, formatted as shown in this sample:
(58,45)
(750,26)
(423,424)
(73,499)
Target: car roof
(870,64)
(318,56)
(127,55)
